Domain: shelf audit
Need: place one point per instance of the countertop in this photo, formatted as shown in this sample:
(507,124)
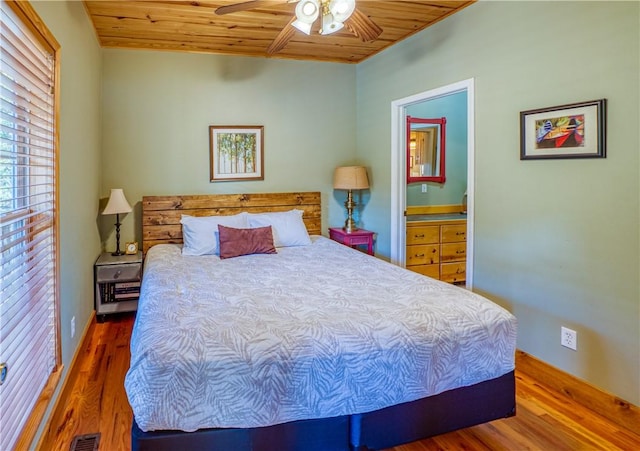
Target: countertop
(437,217)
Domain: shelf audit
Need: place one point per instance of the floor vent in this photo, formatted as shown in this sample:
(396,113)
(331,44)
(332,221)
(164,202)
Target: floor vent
(87,442)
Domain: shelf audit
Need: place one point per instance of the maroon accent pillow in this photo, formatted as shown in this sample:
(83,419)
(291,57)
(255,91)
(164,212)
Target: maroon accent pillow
(237,242)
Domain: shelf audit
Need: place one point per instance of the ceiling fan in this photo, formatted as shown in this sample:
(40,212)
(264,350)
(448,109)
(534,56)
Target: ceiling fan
(334,15)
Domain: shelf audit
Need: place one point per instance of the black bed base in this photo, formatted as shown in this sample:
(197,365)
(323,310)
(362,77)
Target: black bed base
(385,428)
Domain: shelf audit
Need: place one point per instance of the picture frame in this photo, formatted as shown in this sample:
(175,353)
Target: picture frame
(426,143)
(236,152)
(576,130)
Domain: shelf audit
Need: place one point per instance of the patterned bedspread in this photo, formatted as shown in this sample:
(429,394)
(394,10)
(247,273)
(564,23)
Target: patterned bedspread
(313,331)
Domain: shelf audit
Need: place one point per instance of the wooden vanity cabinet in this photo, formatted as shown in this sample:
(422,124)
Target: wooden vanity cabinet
(423,249)
(438,249)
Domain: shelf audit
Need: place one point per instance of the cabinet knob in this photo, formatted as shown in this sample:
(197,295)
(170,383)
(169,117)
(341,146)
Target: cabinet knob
(419,255)
(460,252)
(419,236)
(117,274)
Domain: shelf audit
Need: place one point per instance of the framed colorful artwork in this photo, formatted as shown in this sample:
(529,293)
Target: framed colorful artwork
(577,130)
(236,152)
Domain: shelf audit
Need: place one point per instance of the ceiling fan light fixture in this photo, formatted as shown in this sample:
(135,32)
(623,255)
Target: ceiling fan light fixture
(342,9)
(307,11)
(329,25)
(305,27)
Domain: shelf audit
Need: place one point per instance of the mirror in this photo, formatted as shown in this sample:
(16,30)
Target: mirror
(425,149)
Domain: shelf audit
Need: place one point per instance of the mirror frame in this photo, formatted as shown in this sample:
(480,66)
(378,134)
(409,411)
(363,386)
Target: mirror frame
(430,178)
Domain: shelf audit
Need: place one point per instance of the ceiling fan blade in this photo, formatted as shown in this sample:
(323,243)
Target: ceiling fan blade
(363,27)
(244,6)
(283,38)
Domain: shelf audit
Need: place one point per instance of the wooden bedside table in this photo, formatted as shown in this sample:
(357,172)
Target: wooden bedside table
(117,280)
(353,239)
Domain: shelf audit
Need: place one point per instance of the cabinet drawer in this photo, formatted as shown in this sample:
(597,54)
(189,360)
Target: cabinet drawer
(424,254)
(423,235)
(453,272)
(427,270)
(452,233)
(356,240)
(111,273)
(452,252)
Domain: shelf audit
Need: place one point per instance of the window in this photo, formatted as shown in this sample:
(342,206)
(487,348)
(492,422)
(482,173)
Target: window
(29,344)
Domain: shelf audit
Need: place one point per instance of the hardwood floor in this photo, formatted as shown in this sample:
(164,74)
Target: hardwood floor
(545,419)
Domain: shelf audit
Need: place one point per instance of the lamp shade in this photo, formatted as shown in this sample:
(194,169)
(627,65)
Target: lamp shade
(117,203)
(350,177)
(307,11)
(342,9)
(302,26)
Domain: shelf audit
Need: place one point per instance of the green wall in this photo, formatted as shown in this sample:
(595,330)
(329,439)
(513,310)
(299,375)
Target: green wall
(158,106)
(556,242)
(80,171)
(454,108)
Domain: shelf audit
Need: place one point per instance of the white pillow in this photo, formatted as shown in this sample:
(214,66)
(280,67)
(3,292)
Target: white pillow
(200,234)
(287,226)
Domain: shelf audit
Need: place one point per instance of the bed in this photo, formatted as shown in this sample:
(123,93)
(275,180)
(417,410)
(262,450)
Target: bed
(314,347)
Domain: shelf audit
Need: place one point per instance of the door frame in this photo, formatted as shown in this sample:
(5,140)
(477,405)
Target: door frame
(398,168)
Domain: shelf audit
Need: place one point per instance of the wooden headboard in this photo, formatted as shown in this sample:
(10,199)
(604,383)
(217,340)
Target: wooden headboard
(161,214)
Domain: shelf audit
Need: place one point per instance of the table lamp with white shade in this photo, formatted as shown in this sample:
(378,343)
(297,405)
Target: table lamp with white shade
(117,205)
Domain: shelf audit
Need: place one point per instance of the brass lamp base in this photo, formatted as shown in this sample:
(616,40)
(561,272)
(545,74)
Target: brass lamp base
(350,224)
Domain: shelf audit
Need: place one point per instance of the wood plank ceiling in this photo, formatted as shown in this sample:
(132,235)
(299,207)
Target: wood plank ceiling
(193,26)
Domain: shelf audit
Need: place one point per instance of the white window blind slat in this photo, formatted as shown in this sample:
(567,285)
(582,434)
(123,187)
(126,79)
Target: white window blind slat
(32,62)
(28,199)
(34,221)
(27,402)
(21,247)
(39,146)
(22,367)
(19,299)
(24,122)
(41,157)
(13,69)
(36,320)
(18,302)
(25,368)
(37,341)
(39,203)
(41,182)
(22,97)
(18,56)
(38,127)
(23,279)
(13,100)
(29,44)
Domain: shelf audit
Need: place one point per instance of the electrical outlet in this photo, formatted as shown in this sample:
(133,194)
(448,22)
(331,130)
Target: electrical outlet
(73,326)
(569,338)
(424,187)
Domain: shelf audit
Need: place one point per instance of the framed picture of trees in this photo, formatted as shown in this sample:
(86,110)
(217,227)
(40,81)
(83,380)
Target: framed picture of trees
(236,152)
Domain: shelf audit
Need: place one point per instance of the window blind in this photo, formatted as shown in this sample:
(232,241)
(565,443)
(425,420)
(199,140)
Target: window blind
(28,323)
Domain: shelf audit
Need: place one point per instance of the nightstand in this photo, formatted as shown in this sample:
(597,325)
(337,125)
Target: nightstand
(353,239)
(117,280)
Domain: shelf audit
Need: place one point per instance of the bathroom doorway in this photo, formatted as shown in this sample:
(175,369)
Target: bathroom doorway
(399,110)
